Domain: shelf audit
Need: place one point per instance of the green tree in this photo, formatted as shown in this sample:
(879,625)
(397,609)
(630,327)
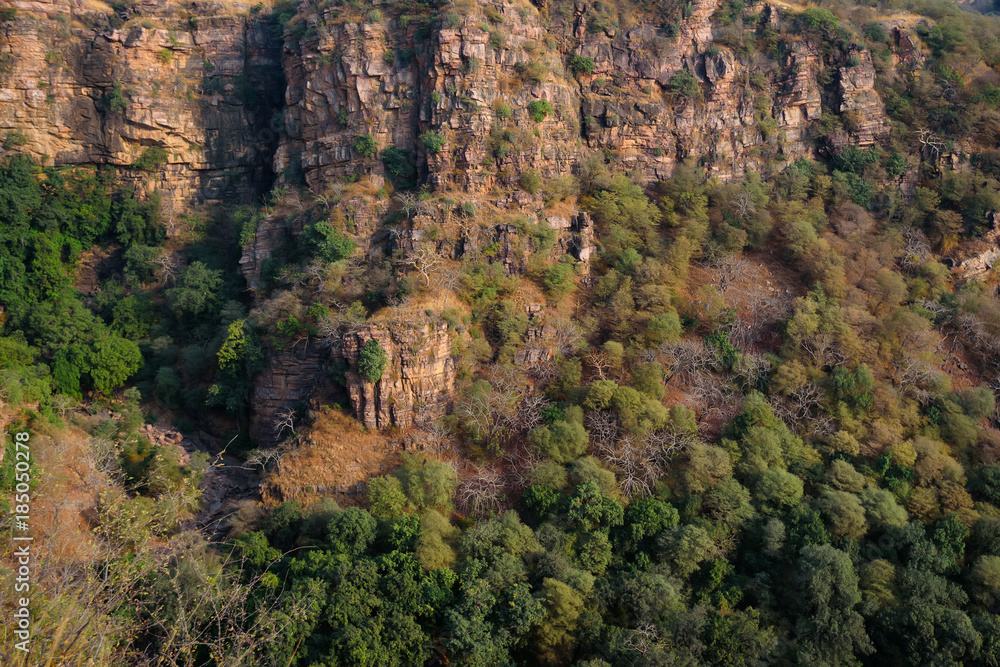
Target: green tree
(385,497)
(555,634)
(197,290)
(365,146)
(113,360)
(327,243)
(372,361)
(829,628)
(432,141)
(562,440)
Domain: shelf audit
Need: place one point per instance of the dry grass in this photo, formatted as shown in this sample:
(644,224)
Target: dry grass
(336,454)
(565,208)
(67,491)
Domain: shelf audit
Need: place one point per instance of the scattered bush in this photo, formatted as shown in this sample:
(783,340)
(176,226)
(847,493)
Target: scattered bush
(539,109)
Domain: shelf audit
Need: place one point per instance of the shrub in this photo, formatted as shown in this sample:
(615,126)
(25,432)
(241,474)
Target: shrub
(539,109)
(364,145)
(372,361)
(165,56)
(531,181)
(533,72)
(818,20)
(497,40)
(876,32)
(558,280)
(152,158)
(433,141)
(14,139)
(503,111)
(328,243)
(581,65)
(115,99)
(685,84)
(400,167)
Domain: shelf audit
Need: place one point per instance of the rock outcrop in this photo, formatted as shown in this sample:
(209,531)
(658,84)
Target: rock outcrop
(418,383)
(207,101)
(294,376)
(198,85)
(472,86)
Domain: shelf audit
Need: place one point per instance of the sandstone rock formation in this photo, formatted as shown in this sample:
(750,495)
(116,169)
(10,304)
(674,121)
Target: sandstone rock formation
(293,376)
(75,90)
(418,384)
(477,100)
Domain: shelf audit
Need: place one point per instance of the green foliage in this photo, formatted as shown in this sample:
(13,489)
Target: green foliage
(385,498)
(535,71)
(829,628)
(685,85)
(854,388)
(400,167)
(539,109)
(328,243)
(365,146)
(558,280)
(152,159)
(562,440)
(581,65)
(426,483)
(372,361)
(432,141)
(196,291)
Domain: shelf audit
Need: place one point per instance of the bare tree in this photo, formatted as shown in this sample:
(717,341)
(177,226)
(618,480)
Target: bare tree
(167,267)
(262,458)
(410,204)
(917,249)
(685,359)
(930,144)
(604,428)
(448,280)
(565,334)
(496,415)
(424,259)
(482,492)
(433,436)
(284,420)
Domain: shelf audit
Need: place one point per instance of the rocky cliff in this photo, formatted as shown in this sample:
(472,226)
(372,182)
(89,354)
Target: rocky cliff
(83,85)
(208,101)
(418,383)
(473,84)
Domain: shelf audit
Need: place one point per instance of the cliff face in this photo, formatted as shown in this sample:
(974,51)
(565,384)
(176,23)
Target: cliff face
(76,90)
(418,383)
(293,376)
(475,102)
(472,85)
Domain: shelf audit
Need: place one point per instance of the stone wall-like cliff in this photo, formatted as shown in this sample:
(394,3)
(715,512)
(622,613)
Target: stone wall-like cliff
(82,87)
(394,84)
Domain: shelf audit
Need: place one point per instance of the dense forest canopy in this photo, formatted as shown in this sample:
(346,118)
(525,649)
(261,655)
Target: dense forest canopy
(767,433)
